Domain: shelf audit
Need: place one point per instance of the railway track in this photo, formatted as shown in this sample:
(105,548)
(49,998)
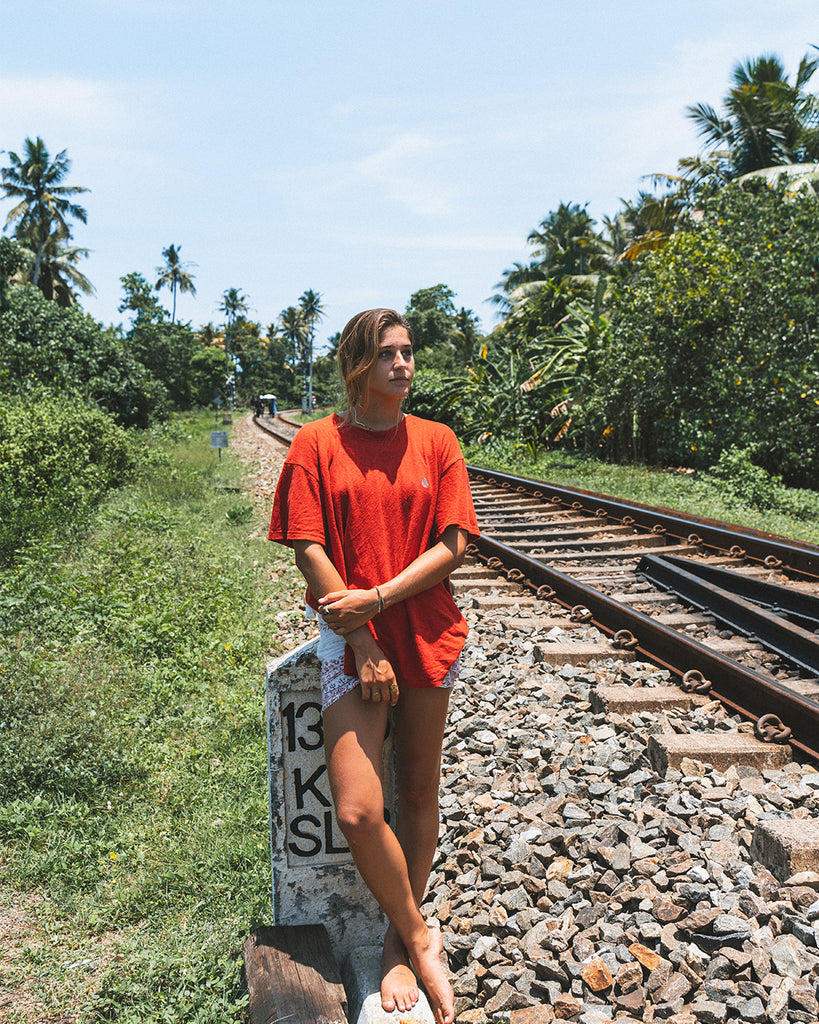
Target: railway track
(713,604)
(604,829)
(730,611)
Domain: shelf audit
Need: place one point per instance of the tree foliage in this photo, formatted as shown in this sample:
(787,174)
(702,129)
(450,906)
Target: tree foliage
(12,260)
(766,120)
(431,315)
(44,204)
(174,274)
(444,339)
(60,278)
(568,259)
(45,349)
(164,348)
(713,344)
(59,460)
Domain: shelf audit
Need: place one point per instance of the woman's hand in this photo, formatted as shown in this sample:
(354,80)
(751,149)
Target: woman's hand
(378,682)
(346,610)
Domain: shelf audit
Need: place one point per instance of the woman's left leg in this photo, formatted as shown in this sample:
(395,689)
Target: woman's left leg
(420,719)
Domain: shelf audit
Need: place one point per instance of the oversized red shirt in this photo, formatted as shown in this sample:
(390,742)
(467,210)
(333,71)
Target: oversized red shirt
(376,500)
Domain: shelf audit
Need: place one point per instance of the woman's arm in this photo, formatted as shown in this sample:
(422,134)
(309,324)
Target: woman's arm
(374,669)
(346,610)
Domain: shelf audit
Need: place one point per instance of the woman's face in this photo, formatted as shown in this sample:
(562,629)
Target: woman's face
(391,375)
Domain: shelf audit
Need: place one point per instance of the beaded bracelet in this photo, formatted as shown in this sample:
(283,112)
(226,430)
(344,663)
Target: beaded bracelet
(380,601)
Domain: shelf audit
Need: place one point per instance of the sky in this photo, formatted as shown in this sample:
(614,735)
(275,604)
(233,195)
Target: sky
(361,149)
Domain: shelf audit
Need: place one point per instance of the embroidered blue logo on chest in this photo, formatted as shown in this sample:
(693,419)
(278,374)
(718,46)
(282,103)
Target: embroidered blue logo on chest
(424,482)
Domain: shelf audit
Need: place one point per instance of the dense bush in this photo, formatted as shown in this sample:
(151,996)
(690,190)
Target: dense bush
(46,347)
(59,460)
(713,343)
(751,485)
(430,398)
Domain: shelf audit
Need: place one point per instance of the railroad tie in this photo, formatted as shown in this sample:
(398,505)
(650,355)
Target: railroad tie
(292,976)
(721,751)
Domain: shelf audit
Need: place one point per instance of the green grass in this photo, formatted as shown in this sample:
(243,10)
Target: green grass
(740,497)
(133,761)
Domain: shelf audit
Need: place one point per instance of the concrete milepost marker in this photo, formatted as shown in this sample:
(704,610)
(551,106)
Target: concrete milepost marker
(314,878)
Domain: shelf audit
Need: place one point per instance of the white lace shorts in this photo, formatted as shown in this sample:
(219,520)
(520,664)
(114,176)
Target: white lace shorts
(334,680)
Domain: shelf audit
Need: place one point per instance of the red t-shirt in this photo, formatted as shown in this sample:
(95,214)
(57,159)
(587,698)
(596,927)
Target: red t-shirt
(376,500)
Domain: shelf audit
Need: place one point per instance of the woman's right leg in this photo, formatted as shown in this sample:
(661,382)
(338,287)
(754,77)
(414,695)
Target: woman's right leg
(353,739)
(420,718)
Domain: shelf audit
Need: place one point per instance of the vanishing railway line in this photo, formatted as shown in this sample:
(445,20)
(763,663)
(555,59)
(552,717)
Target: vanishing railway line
(726,610)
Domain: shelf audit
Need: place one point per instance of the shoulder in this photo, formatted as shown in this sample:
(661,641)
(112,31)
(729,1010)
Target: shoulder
(434,435)
(312,438)
(431,429)
(316,432)
(321,427)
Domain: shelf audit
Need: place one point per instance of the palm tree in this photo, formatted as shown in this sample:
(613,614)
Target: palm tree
(647,223)
(233,305)
(174,275)
(465,334)
(312,311)
(568,258)
(294,330)
(60,277)
(529,387)
(566,244)
(767,121)
(513,278)
(332,345)
(44,205)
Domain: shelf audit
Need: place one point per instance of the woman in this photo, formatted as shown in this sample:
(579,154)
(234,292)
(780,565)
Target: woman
(376,505)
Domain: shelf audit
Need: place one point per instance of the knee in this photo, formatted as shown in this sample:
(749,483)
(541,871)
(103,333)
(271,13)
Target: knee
(418,796)
(358,820)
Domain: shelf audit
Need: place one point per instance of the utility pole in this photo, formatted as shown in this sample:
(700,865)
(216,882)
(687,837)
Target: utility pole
(228,369)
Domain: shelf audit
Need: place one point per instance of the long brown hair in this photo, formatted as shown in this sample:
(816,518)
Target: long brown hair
(358,352)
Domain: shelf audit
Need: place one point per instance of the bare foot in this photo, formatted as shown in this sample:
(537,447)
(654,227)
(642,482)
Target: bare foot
(399,988)
(433,975)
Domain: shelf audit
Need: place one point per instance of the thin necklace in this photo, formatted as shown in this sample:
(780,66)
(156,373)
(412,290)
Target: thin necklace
(377,430)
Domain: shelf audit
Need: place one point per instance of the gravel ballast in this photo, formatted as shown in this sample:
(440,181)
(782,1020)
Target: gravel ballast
(573,882)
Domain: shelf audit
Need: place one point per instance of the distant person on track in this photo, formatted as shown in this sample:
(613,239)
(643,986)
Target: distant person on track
(271,407)
(376,504)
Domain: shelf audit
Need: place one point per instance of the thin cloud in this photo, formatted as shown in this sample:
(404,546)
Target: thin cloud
(402,169)
(440,242)
(77,105)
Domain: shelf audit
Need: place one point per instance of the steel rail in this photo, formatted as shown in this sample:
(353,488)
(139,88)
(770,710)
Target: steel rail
(800,607)
(796,556)
(280,436)
(747,692)
(790,641)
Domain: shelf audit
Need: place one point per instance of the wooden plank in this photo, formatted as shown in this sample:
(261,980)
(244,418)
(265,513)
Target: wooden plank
(293,977)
